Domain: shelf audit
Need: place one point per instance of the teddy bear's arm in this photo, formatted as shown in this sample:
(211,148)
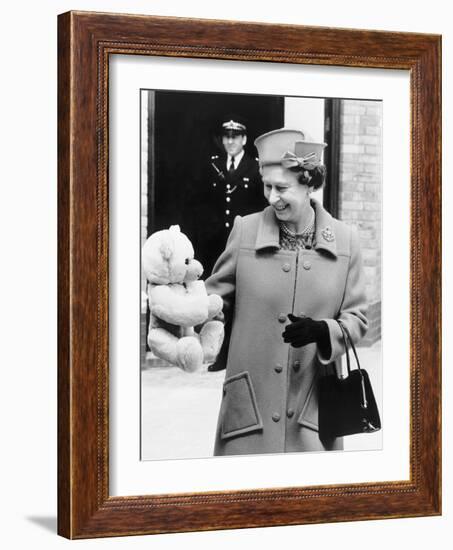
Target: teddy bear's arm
(215,306)
(179,308)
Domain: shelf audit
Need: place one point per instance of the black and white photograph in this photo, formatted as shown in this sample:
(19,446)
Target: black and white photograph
(292,155)
(261,237)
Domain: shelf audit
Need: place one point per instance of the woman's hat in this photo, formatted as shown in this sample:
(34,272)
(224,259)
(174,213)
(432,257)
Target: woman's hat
(288,148)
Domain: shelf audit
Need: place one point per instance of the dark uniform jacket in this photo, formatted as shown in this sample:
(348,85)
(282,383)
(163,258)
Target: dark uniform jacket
(220,197)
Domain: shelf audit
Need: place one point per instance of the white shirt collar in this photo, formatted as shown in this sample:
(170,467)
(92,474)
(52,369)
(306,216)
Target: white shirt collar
(237,159)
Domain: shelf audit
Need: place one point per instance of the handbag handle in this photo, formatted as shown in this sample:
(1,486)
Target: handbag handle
(347,337)
(345,343)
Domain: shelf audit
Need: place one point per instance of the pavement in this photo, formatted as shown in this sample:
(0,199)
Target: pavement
(179,410)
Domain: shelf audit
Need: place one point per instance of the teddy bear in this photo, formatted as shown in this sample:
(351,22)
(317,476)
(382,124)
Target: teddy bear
(178,302)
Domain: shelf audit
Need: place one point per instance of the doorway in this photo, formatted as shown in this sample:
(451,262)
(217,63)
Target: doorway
(184,134)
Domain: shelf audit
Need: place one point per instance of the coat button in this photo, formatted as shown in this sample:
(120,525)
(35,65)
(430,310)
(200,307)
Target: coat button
(307,264)
(278,368)
(227,224)
(290,413)
(296,365)
(282,318)
(275,417)
(286,267)
(228,199)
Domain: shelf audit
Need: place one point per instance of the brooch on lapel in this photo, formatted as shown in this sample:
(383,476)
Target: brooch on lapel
(328,235)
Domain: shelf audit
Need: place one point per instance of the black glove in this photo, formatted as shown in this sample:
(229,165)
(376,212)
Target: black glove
(304,330)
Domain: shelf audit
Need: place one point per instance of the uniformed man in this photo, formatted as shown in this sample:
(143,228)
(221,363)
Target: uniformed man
(231,186)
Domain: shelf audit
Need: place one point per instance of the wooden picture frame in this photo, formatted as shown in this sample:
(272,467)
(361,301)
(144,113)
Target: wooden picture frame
(85,41)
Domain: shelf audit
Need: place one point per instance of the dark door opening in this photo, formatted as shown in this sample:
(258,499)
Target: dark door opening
(183,137)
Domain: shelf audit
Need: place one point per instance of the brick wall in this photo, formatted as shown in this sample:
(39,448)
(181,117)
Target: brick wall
(360,193)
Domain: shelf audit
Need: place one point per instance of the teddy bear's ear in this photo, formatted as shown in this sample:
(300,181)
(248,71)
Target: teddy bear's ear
(175,228)
(166,246)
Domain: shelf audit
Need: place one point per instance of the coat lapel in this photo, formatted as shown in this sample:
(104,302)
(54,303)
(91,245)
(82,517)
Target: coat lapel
(325,238)
(268,235)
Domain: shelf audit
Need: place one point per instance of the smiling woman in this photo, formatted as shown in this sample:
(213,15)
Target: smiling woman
(292,261)
(210,194)
(289,199)
(289,180)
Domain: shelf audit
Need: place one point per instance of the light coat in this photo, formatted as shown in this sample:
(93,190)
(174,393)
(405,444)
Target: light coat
(270,393)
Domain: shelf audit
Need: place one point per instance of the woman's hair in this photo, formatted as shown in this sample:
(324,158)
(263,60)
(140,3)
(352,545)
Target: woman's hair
(313,178)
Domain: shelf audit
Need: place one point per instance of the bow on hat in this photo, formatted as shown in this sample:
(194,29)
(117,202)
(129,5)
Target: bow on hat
(290,160)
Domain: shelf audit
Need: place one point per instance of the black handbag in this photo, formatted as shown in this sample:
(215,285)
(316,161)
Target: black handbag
(347,405)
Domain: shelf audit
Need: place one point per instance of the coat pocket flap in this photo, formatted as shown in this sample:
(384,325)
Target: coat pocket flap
(309,414)
(239,411)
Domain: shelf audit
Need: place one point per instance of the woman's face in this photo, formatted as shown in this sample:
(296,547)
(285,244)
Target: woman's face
(289,198)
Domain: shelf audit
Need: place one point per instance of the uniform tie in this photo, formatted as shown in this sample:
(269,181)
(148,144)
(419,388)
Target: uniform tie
(231,167)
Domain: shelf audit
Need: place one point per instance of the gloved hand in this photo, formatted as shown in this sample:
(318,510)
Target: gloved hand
(304,330)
